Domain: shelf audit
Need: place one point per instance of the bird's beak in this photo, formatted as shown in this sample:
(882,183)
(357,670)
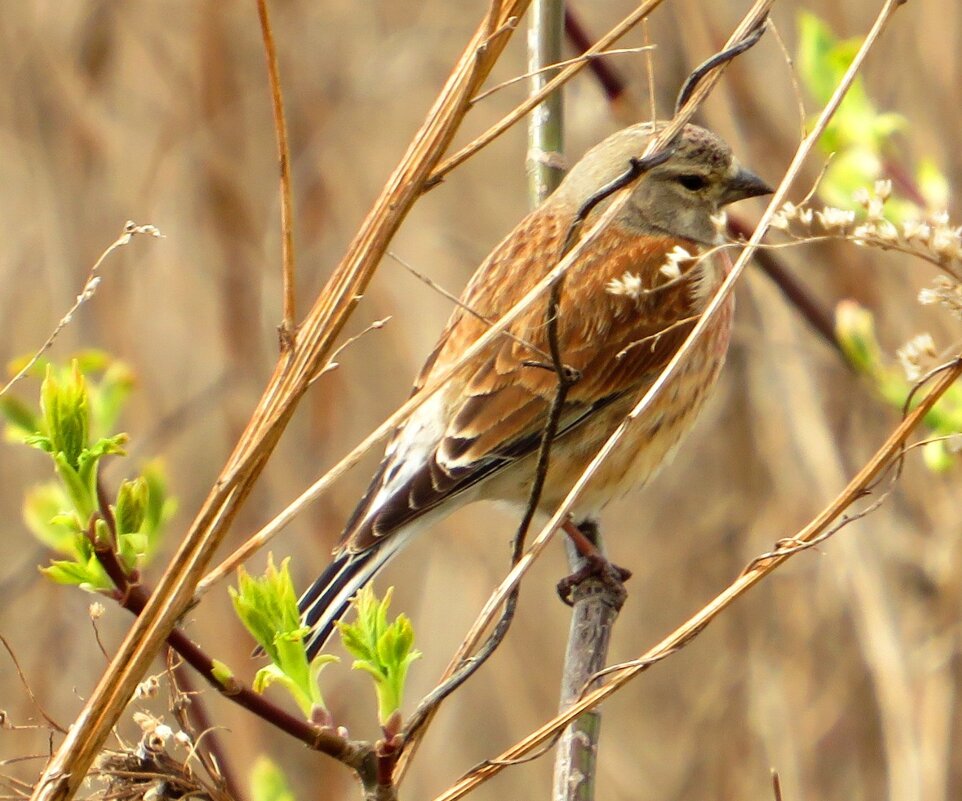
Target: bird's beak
(743,185)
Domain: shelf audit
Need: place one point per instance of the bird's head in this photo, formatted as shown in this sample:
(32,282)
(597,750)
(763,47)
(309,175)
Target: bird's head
(679,196)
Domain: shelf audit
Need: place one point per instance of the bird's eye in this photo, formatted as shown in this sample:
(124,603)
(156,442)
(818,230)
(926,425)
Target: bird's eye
(692,182)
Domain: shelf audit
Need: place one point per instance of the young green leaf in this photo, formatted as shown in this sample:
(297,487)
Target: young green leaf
(267,606)
(63,407)
(384,651)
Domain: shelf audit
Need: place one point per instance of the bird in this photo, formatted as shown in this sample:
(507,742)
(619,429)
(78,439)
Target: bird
(625,306)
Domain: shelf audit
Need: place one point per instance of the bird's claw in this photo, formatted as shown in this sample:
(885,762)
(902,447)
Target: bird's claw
(607,576)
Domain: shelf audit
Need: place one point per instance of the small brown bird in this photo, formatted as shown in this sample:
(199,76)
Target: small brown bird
(478,437)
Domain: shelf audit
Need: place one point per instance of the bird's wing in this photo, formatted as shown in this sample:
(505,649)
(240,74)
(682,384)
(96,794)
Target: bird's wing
(493,413)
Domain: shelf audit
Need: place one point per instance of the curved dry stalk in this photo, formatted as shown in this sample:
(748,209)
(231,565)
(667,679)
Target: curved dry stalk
(890,451)
(54,726)
(89,289)
(591,58)
(292,376)
(284,164)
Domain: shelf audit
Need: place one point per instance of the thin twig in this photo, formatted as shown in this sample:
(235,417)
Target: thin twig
(815,314)
(448,295)
(590,57)
(284,163)
(776,785)
(792,76)
(90,286)
(26,686)
(611,83)
(332,363)
(190,708)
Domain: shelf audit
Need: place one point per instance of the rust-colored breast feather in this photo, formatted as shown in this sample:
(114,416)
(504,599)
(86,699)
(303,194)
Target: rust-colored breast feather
(616,342)
(497,407)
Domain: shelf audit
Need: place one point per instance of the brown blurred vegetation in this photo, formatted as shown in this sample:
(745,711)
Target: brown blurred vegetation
(842,671)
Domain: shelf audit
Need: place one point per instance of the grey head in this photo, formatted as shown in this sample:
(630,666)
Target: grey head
(675,198)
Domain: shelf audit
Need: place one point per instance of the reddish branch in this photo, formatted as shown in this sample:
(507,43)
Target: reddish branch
(133,596)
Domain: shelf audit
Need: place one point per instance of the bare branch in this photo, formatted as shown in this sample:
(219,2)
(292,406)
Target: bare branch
(89,289)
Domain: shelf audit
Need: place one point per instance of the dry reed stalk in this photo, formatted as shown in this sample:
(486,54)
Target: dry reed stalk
(284,168)
(884,457)
(292,376)
(533,100)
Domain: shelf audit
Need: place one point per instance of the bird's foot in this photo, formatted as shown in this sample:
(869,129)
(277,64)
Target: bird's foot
(611,578)
(608,576)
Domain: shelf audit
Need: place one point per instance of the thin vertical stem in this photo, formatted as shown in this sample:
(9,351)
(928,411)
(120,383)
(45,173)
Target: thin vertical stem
(591,615)
(594,609)
(546,123)
(284,164)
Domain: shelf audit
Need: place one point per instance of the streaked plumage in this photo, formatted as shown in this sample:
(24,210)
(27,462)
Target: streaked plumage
(478,436)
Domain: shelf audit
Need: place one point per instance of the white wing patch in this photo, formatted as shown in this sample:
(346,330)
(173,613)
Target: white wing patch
(411,451)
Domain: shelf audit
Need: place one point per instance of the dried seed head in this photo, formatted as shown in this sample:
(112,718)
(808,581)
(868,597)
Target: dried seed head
(917,356)
(944,291)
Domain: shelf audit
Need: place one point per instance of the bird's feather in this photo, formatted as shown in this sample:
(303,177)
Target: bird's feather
(494,412)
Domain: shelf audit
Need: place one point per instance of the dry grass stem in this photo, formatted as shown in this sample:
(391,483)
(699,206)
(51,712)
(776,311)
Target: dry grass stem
(533,100)
(585,57)
(284,163)
(89,290)
(314,341)
(26,686)
(890,451)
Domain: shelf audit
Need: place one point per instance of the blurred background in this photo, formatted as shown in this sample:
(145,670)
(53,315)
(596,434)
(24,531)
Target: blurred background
(841,671)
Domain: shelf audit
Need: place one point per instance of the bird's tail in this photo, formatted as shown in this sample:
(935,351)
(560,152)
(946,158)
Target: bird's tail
(327,599)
